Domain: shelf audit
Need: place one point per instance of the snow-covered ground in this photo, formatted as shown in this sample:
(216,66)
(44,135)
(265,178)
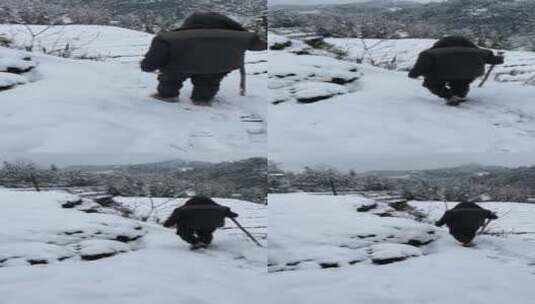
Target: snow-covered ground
(401,54)
(151,265)
(298,74)
(322,250)
(90,106)
(387,111)
(516,219)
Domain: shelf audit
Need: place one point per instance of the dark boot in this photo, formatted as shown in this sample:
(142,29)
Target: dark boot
(460,88)
(205,87)
(187,235)
(165,99)
(169,86)
(438,88)
(206,236)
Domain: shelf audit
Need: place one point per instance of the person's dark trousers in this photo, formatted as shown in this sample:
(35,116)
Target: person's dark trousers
(187,235)
(447,88)
(205,86)
(193,236)
(205,236)
(463,235)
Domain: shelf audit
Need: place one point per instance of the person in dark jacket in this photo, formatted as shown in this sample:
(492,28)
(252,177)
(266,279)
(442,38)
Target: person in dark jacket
(464,220)
(204,49)
(197,220)
(451,65)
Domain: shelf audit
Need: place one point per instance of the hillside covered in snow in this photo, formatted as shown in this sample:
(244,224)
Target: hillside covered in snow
(64,248)
(96,99)
(378,110)
(354,249)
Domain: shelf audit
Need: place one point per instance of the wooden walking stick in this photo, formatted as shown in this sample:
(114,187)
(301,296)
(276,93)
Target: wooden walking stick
(243,81)
(487,75)
(484,227)
(246,232)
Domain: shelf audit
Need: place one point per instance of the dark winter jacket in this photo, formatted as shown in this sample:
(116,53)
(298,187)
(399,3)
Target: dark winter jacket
(199,213)
(207,43)
(453,58)
(464,220)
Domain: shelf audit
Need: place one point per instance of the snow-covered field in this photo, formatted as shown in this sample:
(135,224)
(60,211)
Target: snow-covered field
(87,257)
(89,106)
(516,219)
(387,111)
(299,75)
(322,250)
(401,54)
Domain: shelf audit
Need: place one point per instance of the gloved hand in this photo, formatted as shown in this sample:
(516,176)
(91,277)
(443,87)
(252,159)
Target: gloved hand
(500,59)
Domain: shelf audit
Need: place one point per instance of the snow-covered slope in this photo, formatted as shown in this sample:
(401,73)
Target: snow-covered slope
(335,253)
(387,111)
(401,54)
(516,219)
(298,74)
(156,267)
(95,106)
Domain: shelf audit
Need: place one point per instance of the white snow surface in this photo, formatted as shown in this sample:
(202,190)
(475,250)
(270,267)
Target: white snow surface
(302,77)
(387,111)
(9,80)
(515,219)
(401,54)
(500,268)
(93,106)
(316,228)
(40,229)
(154,269)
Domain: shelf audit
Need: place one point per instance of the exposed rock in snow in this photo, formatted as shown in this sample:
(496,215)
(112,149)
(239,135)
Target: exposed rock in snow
(307,92)
(16,65)
(309,78)
(33,253)
(45,231)
(97,249)
(390,253)
(12,64)
(8,80)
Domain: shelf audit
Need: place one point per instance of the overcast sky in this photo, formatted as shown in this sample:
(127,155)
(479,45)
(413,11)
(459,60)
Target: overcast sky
(362,163)
(277,2)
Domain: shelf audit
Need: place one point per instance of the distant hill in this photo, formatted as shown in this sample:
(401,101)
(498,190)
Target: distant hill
(456,183)
(503,24)
(147,15)
(244,179)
